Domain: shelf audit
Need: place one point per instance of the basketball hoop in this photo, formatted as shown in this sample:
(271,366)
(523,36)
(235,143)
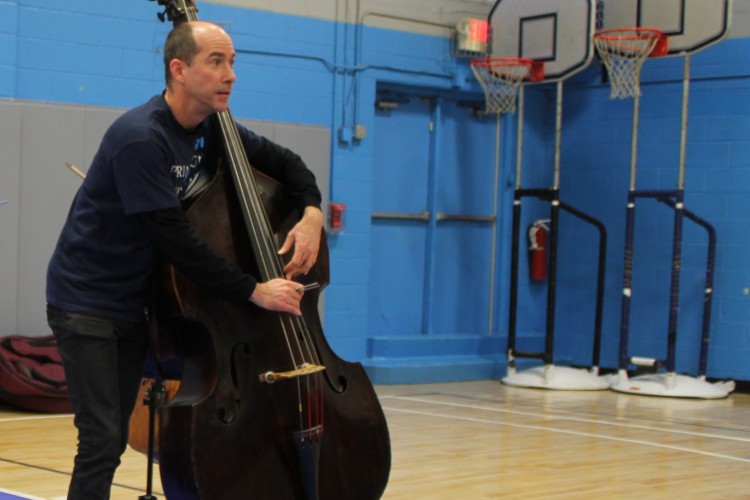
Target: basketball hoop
(500,78)
(623,52)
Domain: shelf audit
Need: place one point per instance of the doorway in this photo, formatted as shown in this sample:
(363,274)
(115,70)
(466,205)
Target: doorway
(434,220)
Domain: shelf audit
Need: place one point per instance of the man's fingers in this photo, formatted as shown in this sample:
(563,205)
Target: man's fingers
(288,242)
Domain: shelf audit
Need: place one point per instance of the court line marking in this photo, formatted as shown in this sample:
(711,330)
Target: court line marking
(22,464)
(573,419)
(24,496)
(574,433)
(64,473)
(36,417)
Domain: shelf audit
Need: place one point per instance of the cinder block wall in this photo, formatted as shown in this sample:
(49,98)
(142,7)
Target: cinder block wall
(323,70)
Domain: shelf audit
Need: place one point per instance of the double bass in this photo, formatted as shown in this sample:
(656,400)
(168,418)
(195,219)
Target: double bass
(265,408)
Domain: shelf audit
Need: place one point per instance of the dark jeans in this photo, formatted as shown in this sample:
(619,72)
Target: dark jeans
(103,362)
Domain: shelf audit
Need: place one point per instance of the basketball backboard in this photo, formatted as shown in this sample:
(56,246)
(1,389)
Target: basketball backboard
(690,25)
(556,32)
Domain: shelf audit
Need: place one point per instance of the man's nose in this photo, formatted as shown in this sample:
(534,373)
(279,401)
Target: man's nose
(231,75)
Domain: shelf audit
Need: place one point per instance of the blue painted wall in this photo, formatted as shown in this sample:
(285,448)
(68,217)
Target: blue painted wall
(320,72)
(596,174)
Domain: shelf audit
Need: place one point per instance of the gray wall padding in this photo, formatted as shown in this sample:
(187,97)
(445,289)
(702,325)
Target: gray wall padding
(36,139)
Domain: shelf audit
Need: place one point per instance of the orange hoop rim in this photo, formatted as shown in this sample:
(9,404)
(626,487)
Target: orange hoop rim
(627,33)
(612,36)
(494,64)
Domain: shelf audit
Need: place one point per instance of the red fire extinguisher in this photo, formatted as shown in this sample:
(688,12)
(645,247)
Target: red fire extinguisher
(538,233)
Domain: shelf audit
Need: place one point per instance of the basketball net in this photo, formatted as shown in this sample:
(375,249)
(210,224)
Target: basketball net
(623,52)
(500,78)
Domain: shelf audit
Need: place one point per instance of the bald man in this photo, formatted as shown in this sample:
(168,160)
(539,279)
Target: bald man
(153,161)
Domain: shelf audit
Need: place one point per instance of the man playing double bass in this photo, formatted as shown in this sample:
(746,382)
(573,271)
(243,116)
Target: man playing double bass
(128,210)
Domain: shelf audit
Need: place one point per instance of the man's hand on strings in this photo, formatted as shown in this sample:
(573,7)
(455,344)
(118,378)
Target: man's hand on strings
(279,295)
(304,238)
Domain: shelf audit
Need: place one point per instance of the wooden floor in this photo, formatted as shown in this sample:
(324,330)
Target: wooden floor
(484,440)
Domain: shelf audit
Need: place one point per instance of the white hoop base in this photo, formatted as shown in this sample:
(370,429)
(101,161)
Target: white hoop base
(560,378)
(672,385)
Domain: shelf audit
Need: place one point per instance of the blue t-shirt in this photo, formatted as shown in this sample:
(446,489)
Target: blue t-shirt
(146,162)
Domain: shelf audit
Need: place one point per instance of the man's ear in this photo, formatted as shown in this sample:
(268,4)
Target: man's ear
(177,67)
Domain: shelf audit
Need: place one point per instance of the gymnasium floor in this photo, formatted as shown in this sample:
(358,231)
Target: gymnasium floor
(483,440)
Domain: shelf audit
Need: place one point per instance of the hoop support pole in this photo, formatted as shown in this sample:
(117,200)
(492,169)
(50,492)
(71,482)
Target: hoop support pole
(554,228)
(709,283)
(551,196)
(684,123)
(627,281)
(515,235)
(558,133)
(674,289)
(519,132)
(600,281)
(674,200)
(495,210)
(513,296)
(432,182)
(627,274)
(634,140)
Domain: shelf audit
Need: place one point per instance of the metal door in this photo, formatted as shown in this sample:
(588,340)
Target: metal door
(433,220)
